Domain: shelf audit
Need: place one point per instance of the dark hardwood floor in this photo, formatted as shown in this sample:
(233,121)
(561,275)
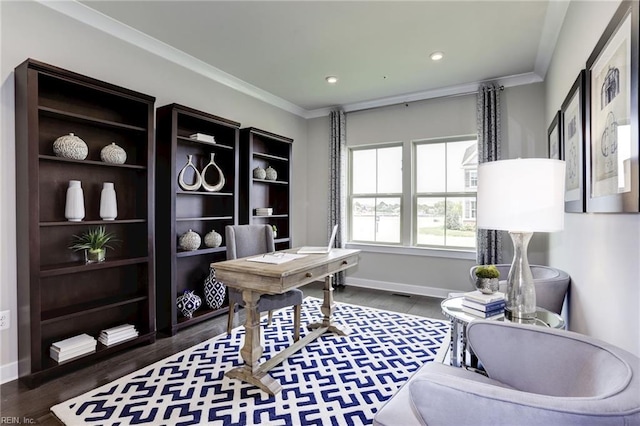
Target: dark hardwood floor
(21,405)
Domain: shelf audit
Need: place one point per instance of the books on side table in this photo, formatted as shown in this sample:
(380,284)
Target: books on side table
(73,347)
(118,334)
(488,306)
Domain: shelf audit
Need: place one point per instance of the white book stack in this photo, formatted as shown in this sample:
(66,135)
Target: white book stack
(73,347)
(264,211)
(202,137)
(118,334)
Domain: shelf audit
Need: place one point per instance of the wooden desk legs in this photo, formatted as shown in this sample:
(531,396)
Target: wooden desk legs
(251,351)
(258,374)
(327,308)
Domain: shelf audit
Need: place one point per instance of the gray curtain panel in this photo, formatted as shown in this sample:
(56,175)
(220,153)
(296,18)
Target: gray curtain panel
(489,242)
(337,183)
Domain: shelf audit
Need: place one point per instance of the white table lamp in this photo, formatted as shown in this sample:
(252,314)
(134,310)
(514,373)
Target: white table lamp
(521,196)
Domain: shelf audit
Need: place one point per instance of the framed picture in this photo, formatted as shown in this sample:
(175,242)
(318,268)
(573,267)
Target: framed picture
(554,137)
(572,136)
(612,116)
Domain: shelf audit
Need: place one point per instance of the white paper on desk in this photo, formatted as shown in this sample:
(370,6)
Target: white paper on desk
(276,258)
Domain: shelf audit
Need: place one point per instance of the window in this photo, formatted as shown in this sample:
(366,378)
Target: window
(376,194)
(446,181)
(443,194)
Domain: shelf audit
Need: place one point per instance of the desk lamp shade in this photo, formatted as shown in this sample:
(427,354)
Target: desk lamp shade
(521,196)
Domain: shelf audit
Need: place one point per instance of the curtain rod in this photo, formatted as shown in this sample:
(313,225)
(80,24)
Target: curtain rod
(406,103)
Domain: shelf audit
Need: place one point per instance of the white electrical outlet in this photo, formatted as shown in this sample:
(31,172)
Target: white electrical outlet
(4,320)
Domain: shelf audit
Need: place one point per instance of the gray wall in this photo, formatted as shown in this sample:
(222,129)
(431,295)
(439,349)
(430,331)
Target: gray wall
(30,30)
(416,271)
(600,251)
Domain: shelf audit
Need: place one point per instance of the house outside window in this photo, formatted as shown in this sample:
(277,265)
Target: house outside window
(442,194)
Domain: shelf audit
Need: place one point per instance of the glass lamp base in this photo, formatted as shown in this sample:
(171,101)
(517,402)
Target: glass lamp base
(520,318)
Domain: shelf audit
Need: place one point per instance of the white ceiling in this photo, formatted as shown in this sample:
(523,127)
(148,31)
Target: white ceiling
(281,51)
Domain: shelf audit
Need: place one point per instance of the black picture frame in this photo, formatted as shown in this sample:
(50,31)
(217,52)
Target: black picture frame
(611,153)
(573,145)
(554,138)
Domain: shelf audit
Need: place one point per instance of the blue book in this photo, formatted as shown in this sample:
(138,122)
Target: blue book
(497,313)
(484,307)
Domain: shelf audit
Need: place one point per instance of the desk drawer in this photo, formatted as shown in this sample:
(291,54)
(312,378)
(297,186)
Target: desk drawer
(306,277)
(342,264)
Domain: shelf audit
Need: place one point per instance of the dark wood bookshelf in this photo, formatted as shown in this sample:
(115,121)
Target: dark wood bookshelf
(259,148)
(201,211)
(59,296)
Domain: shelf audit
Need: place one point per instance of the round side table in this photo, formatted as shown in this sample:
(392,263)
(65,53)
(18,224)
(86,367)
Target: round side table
(452,309)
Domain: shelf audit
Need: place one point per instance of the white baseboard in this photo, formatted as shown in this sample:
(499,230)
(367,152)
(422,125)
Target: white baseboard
(392,287)
(8,372)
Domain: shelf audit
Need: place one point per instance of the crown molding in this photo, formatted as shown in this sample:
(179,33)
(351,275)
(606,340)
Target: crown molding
(458,90)
(104,23)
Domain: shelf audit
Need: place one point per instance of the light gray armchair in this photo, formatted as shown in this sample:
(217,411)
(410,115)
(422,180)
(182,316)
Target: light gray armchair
(536,376)
(251,240)
(551,284)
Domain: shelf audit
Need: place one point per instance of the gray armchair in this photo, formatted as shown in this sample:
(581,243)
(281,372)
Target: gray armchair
(535,376)
(251,240)
(551,284)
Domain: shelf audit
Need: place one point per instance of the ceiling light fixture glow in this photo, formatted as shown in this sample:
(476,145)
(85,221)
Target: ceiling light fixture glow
(436,56)
(332,79)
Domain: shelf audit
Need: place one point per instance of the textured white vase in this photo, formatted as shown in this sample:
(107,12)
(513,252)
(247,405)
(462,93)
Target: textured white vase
(108,202)
(74,208)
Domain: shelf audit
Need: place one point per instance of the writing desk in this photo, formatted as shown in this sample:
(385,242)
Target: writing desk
(255,279)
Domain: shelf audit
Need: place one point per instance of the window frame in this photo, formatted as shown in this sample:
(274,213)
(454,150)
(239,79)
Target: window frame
(415,195)
(352,197)
(408,216)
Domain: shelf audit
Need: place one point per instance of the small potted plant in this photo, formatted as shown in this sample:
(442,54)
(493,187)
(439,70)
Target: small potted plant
(487,278)
(94,242)
(275,231)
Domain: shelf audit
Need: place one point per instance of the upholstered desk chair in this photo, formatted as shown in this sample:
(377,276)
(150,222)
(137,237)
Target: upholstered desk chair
(250,240)
(551,284)
(535,376)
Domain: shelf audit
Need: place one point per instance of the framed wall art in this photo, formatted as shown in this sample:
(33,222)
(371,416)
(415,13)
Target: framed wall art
(612,116)
(572,136)
(554,136)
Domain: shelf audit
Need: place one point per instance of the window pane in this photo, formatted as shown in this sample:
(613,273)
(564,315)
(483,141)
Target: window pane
(363,222)
(363,171)
(460,229)
(461,157)
(388,220)
(389,170)
(431,214)
(430,167)
(376,220)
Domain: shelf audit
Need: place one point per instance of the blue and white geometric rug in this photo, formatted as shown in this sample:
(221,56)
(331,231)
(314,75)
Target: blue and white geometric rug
(334,380)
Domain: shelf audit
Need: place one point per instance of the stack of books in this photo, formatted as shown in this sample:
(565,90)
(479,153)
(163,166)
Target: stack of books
(484,305)
(73,347)
(114,335)
(202,137)
(264,211)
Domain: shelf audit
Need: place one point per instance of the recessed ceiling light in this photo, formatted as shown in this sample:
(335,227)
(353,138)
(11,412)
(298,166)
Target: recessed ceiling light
(332,79)
(436,56)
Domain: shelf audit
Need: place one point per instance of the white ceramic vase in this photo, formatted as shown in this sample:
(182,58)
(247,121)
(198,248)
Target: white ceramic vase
(216,186)
(113,154)
(70,146)
(197,179)
(74,208)
(190,241)
(212,239)
(108,202)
